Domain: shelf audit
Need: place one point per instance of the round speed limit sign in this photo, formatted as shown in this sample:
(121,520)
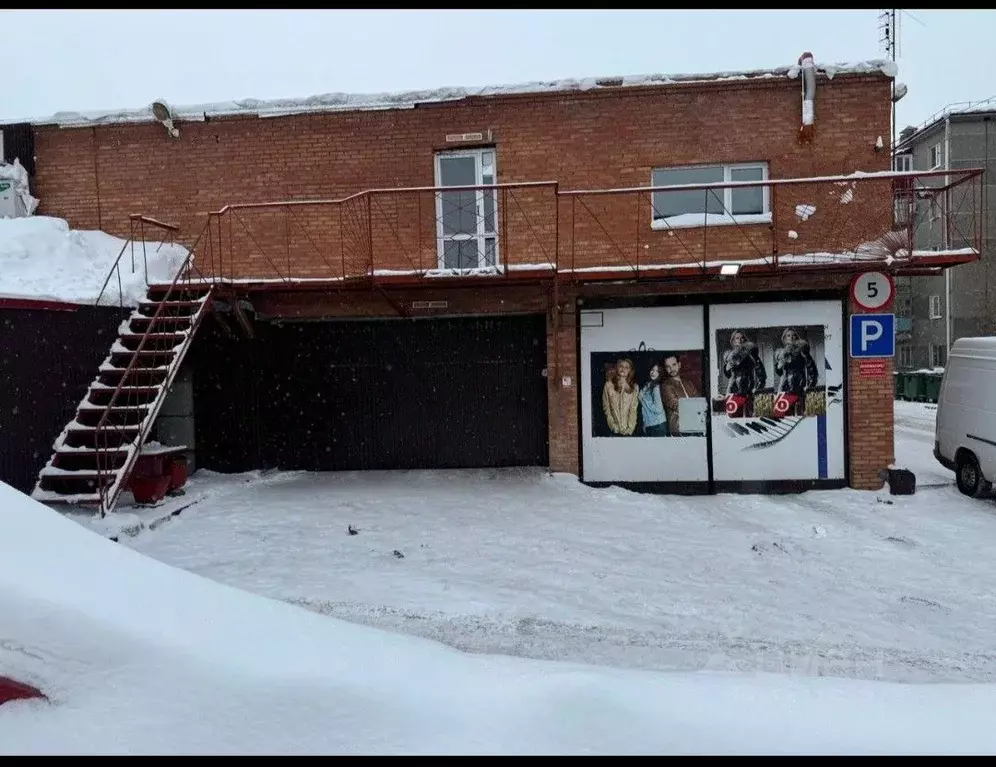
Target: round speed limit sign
(872,290)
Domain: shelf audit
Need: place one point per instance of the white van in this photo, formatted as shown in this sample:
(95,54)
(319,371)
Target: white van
(965,433)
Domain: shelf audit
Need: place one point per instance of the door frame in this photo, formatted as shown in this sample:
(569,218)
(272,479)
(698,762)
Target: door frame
(482,235)
(705,300)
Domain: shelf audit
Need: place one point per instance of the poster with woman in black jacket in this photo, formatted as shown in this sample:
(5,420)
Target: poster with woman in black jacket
(746,375)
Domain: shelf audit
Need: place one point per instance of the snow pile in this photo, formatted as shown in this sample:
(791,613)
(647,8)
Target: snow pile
(804,211)
(873,66)
(42,258)
(137,657)
(16,173)
(341,102)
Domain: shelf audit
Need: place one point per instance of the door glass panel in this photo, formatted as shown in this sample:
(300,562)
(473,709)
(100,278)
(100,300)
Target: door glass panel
(458,214)
(461,254)
(468,219)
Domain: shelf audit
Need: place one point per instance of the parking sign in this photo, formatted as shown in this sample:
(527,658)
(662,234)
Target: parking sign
(873,335)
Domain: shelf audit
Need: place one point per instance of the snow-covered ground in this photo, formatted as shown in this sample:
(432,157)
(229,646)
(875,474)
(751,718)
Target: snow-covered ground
(140,658)
(843,583)
(914,427)
(42,258)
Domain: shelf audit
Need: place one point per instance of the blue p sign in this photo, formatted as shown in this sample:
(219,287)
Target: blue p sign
(873,335)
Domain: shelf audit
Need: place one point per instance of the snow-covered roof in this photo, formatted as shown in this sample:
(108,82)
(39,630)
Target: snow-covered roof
(345,102)
(951,110)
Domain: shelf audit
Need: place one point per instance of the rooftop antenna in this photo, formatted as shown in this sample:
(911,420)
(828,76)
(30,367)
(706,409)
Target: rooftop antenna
(889,20)
(888,43)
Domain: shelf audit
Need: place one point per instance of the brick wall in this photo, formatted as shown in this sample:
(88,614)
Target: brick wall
(96,177)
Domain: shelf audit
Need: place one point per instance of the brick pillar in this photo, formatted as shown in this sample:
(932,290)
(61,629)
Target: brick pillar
(870,403)
(561,349)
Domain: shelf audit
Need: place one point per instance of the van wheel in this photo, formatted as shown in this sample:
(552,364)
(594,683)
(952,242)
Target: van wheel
(969,476)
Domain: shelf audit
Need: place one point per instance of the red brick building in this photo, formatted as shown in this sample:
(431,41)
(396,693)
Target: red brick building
(457,279)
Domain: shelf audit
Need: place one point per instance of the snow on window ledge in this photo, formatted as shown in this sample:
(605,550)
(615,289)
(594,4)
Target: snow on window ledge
(693,220)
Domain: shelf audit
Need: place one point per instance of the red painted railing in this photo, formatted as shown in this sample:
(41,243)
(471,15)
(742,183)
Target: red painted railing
(537,230)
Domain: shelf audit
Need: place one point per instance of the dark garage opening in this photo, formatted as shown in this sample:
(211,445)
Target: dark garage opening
(361,395)
(48,358)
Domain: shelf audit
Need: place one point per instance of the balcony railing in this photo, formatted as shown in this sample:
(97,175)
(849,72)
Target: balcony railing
(537,230)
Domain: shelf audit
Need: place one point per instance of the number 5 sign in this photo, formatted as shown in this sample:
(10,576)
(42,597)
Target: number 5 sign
(872,290)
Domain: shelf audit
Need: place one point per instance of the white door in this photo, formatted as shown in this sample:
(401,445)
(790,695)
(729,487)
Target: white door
(643,384)
(777,378)
(466,219)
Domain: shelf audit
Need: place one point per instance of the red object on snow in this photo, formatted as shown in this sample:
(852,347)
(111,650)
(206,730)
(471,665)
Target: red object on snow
(158,470)
(11,690)
(177,472)
(150,489)
(149,465)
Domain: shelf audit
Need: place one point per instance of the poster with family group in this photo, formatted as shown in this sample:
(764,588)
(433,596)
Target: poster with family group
(777,391)
(764,402)
(643,386)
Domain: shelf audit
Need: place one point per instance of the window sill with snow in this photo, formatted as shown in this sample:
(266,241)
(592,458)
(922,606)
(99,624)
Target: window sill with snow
(696,220)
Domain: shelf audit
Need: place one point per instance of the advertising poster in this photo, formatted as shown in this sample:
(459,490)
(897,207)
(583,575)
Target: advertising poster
(644,406)
(777,391)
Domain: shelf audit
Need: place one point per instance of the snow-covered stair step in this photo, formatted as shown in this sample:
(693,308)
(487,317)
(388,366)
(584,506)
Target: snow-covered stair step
(107,367)
(55,471)
(70,450)
(149,349)
(75,425)
(144,318)
(100,385)
(47,496)
(115,406)
(156,336)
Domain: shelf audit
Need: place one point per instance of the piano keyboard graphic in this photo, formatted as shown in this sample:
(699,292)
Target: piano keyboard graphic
(762,432)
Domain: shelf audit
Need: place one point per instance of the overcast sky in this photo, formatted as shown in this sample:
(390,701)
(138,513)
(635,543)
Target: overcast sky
(76,60)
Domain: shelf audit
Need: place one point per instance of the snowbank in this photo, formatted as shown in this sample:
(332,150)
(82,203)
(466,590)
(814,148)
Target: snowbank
(19,176)
(342,102)
(41,257)
(138,657)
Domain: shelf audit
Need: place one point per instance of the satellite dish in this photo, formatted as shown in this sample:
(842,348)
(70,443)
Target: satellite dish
(163,114)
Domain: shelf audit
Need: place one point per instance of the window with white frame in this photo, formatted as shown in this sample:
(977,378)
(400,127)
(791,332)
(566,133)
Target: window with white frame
(934,304)
(906,356)
(903,163)
(938,355)
(711,205)
(936,156)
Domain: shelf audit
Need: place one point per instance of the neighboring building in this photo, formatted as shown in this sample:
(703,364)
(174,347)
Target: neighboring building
(935,311)
(522,284)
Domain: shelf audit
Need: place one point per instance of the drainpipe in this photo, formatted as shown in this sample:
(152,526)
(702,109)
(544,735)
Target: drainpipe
(808,77)
(945,244)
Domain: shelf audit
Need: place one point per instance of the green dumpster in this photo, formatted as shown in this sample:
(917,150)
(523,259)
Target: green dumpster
(932,386)
(915,386)
(903,385)
(897,382)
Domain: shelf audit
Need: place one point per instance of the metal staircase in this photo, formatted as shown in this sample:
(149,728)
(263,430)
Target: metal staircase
(94,455)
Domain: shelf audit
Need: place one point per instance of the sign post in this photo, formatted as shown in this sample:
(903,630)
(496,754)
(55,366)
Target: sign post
(873,336)
(872,290)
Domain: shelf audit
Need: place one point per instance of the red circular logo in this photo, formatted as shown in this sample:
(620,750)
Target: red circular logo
(731,405)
